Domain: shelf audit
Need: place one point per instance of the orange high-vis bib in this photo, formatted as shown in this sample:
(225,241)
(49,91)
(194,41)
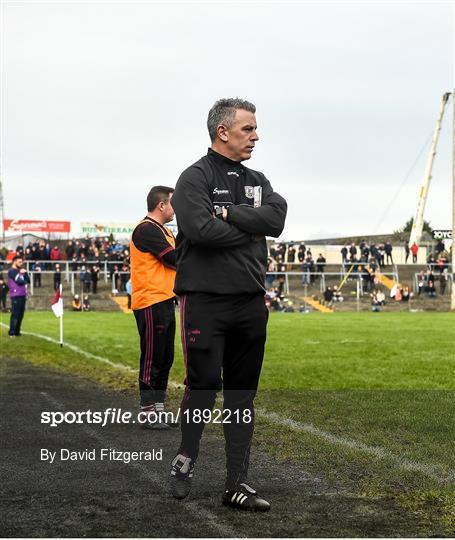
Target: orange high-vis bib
(151,280)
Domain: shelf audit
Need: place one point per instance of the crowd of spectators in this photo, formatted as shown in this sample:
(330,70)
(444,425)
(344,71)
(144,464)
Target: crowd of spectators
(81,305)
(363,253)
(281,253)
(85,257)
(290,253)
(88,257)
(331,295)
(276,301)
(80,252)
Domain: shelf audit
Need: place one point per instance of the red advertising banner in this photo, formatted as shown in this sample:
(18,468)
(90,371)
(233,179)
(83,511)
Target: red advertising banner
(28,225)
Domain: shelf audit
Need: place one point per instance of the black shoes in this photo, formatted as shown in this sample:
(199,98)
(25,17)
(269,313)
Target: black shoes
(245,498)
(181,476)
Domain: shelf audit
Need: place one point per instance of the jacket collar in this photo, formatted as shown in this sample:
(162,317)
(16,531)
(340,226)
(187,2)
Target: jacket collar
(219,158)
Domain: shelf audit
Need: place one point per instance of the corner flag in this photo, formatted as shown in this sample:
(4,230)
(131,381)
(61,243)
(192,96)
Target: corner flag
(57,303)
(57,308)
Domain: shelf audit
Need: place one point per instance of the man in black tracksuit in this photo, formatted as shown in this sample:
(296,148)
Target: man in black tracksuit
(224,211)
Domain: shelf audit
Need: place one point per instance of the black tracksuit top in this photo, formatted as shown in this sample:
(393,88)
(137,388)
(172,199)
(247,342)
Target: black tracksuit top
(218,257)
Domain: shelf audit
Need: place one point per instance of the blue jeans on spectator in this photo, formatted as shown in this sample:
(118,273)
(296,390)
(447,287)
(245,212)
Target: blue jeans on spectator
(17,314)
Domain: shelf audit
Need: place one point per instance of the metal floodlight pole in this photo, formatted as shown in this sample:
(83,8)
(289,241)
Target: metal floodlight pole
(417,225)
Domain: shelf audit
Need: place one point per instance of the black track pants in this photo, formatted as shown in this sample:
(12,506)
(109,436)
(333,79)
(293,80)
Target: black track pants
(17,314)
(156,326)
(223,339)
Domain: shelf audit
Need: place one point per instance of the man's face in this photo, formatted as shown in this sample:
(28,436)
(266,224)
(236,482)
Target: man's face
(18,263)
(168,211)
(241,137)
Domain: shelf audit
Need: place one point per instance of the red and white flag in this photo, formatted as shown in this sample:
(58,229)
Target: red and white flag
(57,303)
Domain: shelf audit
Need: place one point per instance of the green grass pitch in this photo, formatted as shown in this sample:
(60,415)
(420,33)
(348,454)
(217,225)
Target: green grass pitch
(370,395)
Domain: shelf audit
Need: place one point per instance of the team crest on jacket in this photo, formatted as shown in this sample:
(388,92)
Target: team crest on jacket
(249,192)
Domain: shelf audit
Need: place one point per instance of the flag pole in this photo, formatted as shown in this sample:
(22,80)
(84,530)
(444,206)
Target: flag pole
(61,318)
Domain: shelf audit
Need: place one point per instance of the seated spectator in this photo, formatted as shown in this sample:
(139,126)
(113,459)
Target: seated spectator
(76,303)
(406,294)
(272,299)
(328,296)
(380,297)
(337,297)
(430,289)
(86,304)
(288,307)
(375,303)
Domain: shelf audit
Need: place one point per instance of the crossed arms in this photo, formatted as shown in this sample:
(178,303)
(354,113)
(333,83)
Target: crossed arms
(193,207)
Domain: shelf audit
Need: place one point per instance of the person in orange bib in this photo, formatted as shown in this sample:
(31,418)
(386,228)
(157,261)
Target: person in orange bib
(152,256)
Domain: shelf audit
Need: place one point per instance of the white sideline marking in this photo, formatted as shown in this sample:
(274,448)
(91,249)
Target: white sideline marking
(193,507)
(87,354)
(376,451)
(79,351)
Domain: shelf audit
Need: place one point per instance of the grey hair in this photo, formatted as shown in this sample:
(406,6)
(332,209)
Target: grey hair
(223,112)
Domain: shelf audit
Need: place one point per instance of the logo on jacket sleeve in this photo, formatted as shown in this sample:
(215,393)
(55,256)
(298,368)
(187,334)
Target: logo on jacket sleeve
(217,191)
(249,192)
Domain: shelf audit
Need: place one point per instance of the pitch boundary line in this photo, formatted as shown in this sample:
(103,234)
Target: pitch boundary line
(87,354)
(78,350)
(376,451)
(274,418)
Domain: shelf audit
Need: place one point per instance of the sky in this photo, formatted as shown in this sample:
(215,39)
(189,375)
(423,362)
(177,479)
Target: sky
(102,100)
